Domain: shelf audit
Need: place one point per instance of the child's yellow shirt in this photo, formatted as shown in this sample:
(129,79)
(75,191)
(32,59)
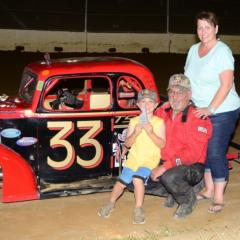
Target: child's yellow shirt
(144,152)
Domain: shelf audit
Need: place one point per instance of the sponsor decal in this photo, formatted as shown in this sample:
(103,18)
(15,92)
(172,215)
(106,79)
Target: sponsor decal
(3,97)
(17,100)
(202,129)
(26,141)
(10,133)
(40,85)
(122,136)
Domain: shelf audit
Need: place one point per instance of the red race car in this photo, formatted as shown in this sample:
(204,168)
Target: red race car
(60,135)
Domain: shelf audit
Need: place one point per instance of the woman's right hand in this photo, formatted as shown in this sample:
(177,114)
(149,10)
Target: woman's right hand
(202,112)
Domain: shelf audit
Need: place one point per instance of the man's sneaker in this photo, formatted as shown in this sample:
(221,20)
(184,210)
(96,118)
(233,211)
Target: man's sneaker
(106,210)
(183,210)
(169,202)
(138,216)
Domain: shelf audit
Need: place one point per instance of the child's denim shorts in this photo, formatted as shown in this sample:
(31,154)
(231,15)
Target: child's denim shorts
(128,174)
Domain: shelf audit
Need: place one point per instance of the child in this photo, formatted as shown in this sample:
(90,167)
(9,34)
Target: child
(145,138)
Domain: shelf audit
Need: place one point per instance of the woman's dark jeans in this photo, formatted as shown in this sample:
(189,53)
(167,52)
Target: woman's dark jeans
(223,127)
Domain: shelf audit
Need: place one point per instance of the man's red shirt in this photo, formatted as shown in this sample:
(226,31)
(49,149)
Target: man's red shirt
(186,137)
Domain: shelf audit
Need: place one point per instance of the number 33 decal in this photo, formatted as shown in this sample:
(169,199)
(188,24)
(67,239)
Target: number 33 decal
(59,140)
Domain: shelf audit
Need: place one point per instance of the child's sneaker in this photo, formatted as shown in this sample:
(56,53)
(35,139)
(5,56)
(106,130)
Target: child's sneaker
(106,210)
(138,216)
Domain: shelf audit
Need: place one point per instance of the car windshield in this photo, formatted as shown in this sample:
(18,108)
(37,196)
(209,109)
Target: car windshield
(27,86)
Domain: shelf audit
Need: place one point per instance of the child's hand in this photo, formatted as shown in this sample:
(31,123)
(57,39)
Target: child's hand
(138,129)
(148,128)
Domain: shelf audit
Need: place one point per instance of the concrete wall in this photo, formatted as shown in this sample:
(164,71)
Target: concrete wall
(52,41)
(42,41)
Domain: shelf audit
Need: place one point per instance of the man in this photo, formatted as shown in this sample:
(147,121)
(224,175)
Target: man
(182,166)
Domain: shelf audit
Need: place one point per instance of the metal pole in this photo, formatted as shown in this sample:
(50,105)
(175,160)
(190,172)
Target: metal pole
(85,26)
(168,16)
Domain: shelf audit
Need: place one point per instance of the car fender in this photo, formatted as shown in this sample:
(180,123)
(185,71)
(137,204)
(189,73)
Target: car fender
(19,182)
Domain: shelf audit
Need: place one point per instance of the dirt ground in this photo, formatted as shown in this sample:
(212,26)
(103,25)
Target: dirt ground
(75,218)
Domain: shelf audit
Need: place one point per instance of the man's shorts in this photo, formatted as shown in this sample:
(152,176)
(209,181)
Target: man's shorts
(128,174)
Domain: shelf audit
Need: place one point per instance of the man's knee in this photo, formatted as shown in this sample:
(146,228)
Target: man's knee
(169,176)
(155,188)
(173,175)
(195,173)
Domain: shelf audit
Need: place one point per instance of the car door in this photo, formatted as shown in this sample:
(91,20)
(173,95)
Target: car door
(75,131)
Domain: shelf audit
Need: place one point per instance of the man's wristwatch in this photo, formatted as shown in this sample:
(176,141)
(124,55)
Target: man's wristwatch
(211,109)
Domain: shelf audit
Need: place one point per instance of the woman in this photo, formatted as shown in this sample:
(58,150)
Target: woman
(210,68)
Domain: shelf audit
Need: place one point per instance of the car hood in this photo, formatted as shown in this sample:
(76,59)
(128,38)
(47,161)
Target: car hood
(11,103)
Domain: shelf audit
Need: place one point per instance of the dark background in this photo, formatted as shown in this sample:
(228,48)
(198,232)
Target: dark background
(155,16)
(136,16)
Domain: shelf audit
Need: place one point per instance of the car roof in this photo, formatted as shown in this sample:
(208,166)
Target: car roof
(90,65)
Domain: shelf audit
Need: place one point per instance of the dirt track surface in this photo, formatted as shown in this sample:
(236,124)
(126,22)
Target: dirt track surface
(75,218)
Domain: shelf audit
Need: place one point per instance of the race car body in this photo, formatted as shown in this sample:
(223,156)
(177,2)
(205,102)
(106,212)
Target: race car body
(60,135)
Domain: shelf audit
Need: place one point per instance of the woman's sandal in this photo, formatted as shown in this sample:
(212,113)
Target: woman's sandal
(216,208)
(201,196)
